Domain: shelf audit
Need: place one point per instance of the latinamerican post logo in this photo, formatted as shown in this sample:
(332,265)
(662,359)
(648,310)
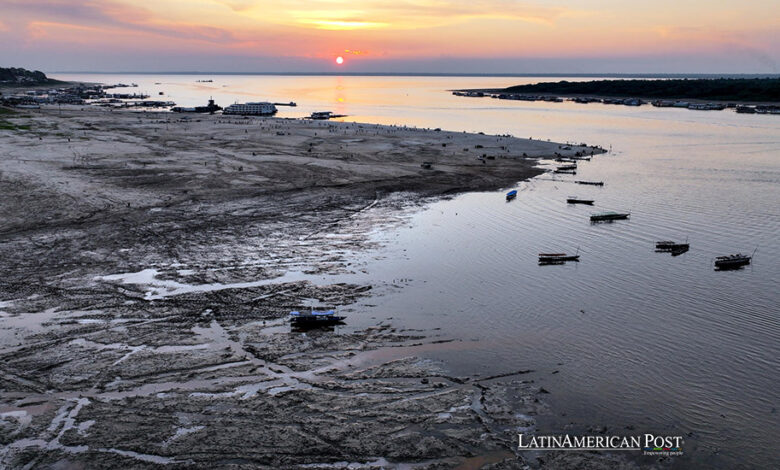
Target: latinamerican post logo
(649,444)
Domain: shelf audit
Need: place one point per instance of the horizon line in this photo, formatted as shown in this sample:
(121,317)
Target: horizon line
(433,74)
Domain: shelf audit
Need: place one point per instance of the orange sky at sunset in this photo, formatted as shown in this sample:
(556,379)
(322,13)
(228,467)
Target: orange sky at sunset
(393,36)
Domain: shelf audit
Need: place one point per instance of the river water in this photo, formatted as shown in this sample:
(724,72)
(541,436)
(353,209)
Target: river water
(627,338)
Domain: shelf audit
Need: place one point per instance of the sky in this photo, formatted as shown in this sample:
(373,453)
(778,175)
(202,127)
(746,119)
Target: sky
(398,36)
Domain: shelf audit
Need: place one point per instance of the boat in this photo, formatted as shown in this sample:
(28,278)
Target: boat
(557,258)
(262,108)
(567,167)
(210,108)
(511,195)
(707,106)
(669,246)
(606,216)
(426,165)
(325,115)
(315,318)
(576,200)
(566,172)
(731,261)
(592,183)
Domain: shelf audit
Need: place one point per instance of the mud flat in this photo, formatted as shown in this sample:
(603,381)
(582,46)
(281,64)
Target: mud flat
(149,261)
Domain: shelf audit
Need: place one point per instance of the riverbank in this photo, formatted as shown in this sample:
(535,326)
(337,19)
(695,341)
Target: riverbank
(150,260)
(743,90)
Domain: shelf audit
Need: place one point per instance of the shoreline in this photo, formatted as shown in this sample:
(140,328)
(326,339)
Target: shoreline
(150,261)
(572,96)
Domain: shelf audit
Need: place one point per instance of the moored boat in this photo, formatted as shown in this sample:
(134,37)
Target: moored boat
(592,183)
(251,109)
(609,215)
(209,108)
(732,261)
(576,200)
(325,115)
(557,258)
(315,318)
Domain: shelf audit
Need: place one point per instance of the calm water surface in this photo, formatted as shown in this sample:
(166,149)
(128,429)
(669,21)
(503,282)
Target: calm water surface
(640,339)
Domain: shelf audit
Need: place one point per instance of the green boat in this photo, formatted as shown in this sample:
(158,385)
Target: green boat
(605,216)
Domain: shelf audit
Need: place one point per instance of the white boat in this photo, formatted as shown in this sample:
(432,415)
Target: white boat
(251,109)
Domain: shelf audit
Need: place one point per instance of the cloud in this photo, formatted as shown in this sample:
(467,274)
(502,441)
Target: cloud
(396,15)
(110,16)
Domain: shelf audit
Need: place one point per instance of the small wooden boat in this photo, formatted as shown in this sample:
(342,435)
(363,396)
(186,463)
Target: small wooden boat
(557,258)
(732,261)
(673,247)
(576,200)
(592,183)
(315,318)
(566,172)
(607,216)
(511,195)
(567,167)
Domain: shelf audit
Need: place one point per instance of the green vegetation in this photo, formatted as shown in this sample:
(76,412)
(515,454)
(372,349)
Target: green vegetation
(22,77)
(721,89)
(10,126)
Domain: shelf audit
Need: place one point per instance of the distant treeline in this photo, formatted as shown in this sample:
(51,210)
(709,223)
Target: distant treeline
(721,89)
(19,76)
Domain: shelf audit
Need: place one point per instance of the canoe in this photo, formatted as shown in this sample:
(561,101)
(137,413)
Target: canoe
(604,216)
(574,200)
(557,257)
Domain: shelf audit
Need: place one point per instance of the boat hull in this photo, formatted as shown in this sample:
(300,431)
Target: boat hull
(731,263)
(608,218)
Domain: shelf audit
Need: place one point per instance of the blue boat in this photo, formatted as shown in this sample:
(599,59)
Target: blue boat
(315,318)
(511,195)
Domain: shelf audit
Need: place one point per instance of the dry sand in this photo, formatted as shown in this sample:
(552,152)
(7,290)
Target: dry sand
(149,261)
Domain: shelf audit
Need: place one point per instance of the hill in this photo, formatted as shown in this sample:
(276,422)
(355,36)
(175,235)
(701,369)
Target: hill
(22,77)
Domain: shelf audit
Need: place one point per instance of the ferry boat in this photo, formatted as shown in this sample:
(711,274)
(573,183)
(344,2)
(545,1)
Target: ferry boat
(263,108)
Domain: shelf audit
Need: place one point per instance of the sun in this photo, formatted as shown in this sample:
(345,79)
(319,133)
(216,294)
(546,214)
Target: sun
(339,60)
